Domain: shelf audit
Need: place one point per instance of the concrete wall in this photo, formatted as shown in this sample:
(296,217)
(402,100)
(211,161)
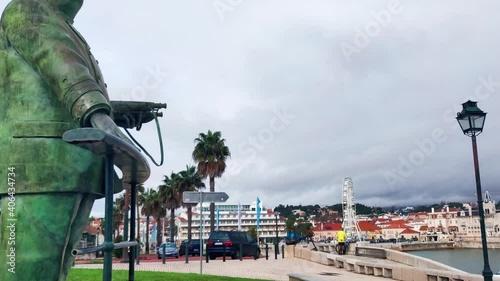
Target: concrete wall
(426,246)
(304,252)
(405,267)
(415,261)
(476,244)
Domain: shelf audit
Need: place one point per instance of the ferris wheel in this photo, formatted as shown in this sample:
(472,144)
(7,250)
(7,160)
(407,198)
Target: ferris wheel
(349,222)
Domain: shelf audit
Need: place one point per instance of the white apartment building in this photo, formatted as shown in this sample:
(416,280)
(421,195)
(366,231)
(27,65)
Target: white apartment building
(444,220)
(469,220)
(463,223)
(228,220)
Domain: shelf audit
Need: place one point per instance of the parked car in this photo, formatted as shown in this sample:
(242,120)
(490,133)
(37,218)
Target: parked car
(231,241)
(193,247)
(170,250)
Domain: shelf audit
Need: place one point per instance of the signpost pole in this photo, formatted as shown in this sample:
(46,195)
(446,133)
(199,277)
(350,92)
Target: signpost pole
(200,197)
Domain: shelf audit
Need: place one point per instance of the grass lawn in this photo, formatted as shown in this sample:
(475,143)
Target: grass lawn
(122,275)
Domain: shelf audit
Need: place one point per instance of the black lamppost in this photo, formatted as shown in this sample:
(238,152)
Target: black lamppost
(471,120)
(276,249)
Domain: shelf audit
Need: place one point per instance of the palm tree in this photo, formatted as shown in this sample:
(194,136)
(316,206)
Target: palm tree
(253,232)
(140,191)
(171,198)
(210,152)
(125,208)
(147,202)
(190,181)
(124,205)
(117,214)
(158,212)
(101,225)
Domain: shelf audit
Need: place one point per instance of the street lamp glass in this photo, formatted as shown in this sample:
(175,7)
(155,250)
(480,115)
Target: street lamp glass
(471,119)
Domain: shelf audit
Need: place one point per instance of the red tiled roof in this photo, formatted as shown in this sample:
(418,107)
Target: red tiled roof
(367,226)
(418,214)
(328,226)
(379,220)
(332,226)
(409,231)
(395,226)
(424,228)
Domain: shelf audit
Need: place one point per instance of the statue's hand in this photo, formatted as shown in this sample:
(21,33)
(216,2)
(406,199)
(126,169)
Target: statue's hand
(102,121)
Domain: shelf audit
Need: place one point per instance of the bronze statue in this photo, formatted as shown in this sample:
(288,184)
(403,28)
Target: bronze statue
(49,83)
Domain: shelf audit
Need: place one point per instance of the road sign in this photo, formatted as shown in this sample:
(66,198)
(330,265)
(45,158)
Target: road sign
(209,197)
(200,197)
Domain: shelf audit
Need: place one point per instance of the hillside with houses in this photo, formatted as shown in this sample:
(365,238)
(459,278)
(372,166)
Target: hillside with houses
(440,222)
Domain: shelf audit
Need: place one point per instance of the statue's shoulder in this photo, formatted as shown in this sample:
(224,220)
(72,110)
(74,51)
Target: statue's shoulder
(24,6)
(26,12)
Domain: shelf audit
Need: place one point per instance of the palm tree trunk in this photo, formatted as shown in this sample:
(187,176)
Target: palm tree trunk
(212,205)
(126,203)
(190,220)
(147,235)
(125,256)
(172,222)
(138,221)
(159,234)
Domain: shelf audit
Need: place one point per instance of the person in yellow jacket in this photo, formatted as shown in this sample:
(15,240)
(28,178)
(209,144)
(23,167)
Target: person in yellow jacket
(341,236)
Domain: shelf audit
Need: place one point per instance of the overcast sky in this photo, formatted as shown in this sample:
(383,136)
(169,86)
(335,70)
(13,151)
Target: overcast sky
(309,92)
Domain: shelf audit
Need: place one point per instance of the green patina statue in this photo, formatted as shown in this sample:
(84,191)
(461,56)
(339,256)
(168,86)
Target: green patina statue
(49,83)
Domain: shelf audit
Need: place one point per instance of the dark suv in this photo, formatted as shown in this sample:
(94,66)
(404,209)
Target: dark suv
(193,247)
(231,241)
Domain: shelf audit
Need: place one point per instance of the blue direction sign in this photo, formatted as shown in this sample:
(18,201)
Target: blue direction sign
(209,197)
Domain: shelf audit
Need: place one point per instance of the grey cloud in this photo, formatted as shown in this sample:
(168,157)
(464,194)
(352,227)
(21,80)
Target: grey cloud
(351,118)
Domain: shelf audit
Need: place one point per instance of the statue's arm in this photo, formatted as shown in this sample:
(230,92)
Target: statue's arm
(41,38)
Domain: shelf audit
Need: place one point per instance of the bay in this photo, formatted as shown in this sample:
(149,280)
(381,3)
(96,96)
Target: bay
(470,260)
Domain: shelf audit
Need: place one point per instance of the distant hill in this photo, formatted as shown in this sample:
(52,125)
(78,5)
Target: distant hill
(321,211)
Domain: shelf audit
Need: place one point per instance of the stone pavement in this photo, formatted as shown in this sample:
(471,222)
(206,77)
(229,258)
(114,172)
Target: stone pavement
(261,269)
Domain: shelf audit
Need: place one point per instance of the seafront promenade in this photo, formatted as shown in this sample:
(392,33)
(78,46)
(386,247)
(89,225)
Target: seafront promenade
(362,263)
(261,269)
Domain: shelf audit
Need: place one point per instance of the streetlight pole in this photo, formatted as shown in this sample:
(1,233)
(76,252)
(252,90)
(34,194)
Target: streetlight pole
(471,120)
(487,273)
